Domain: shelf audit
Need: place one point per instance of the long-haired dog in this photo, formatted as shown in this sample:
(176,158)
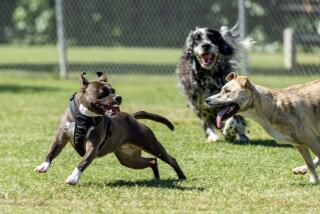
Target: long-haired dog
(208,57)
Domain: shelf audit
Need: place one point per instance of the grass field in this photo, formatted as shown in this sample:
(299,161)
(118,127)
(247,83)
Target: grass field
(137,60)
(222,177)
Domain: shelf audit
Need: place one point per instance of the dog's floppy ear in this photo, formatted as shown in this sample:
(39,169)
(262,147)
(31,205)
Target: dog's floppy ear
(244,82)
(225,48)
(231,76)
(102,77)
(83,82)
(189,44)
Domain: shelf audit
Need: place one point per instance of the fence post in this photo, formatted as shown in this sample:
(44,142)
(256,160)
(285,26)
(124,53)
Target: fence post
(61,40)
(242,29)
(289,49)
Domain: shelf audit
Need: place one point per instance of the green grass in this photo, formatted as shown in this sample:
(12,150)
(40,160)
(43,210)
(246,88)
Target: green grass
(48,54)
(222,177)
(121,55)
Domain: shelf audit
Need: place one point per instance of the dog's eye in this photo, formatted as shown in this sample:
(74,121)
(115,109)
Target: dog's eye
(103,93)
(112,91)
(227,91)
(197,37)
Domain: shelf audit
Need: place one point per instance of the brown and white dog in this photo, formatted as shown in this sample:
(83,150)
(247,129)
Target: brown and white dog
(119,133)
(290,115)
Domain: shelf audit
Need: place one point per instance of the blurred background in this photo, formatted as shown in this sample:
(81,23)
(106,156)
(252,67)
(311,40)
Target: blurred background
(146,37)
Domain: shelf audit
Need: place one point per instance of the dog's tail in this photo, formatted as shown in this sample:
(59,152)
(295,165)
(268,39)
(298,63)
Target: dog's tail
(154,117)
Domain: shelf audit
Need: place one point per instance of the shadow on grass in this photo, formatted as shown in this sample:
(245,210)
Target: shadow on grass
(26,88)
(267,143)
(164,184)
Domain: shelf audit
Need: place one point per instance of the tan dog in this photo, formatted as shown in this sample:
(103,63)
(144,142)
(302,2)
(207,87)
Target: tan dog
(290,115)
(120,133)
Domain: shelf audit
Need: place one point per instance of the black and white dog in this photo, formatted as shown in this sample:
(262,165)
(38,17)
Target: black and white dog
(209,56)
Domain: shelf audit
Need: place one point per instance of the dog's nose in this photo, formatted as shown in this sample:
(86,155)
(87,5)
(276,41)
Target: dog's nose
(208,101)
(206,46)
(118,99)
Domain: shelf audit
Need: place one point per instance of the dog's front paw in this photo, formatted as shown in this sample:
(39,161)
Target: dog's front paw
(313,179)
(301,170)
(243,138)
(74,178)
(212,137)
(42,168)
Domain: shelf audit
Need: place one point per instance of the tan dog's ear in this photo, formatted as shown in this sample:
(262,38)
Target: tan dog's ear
(231,76)
(102,77)
(244,82)
(83,82)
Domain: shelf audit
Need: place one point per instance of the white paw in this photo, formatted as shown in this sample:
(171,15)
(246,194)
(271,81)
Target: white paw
(211,136)
(74,178)
(301,170)
(313,179)
(42,168)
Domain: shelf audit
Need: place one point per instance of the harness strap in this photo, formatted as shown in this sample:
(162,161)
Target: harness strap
(83,124)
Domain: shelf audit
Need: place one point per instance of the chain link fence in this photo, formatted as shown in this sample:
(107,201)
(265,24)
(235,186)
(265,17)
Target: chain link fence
(147,37)
(287,34)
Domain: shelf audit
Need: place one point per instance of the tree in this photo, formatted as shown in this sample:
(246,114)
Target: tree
(33,23)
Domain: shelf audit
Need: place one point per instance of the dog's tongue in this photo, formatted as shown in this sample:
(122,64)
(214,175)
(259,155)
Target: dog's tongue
(220,115)
(206,58)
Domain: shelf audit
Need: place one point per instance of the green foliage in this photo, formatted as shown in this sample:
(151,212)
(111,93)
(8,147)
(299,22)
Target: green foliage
(6,11)
(33,23)
(162,23)
(153,23)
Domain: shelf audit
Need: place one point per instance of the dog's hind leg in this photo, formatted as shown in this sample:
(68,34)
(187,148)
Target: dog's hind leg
(304,151)
(61,139)
(315,147)
(150,144)
(129,155)
(302,170)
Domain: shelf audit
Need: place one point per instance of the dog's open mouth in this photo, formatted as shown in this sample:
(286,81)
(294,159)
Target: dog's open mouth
(207,59)
(109,109)
(225,113)
(112,109)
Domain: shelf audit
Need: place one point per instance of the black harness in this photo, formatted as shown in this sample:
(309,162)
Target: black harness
(84,125)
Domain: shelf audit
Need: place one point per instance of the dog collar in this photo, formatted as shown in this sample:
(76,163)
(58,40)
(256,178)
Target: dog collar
(86,112)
